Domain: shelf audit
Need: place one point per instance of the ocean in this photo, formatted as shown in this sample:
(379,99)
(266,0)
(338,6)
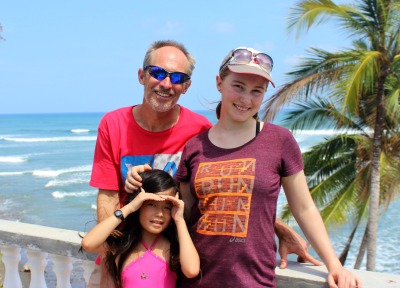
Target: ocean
(45,166)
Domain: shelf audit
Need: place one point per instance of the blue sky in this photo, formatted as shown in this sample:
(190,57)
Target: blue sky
(83,56)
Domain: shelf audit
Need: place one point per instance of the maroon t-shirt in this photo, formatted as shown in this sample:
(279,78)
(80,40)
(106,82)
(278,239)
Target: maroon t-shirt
(236,192)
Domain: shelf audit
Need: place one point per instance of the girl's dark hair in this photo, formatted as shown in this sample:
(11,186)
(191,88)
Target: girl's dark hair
(153,181)
(223,73)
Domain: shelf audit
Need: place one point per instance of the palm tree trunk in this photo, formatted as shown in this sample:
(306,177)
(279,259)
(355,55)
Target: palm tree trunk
(374,201)
(345,252)
(361,251)
(373,215)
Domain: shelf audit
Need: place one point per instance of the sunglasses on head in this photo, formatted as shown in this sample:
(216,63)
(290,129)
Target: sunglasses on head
(242,56)
(160,74)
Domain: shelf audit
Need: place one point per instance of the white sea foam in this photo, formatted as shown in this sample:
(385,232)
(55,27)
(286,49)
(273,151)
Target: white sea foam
(317,132)
(326,132)
(52,139)
(59,182)
(6,204)
(13,173)
(94,206)
(4,137)
(55,173)
(13,159)
(80,130)
(304,150)
(60,195)
(11,209)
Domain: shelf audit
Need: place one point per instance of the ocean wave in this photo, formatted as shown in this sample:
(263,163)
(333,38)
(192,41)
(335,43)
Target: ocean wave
(58,183)
(327,132)
(6,205)
(13,159)
(94,206)
(19,173)
(60,195)
(51,139)
(11,209)
(80,131)
(55,173)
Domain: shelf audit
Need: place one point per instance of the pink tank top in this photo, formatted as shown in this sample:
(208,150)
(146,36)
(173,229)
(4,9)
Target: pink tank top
(149,270)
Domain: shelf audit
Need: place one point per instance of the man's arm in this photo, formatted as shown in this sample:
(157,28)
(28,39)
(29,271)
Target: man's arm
(107,203)
(290,242)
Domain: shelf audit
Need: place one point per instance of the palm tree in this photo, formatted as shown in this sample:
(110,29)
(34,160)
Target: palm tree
(349,75)
(338,169)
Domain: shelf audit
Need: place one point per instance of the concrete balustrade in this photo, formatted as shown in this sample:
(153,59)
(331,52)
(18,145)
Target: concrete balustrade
(37,263)
(11,258)
(43,244)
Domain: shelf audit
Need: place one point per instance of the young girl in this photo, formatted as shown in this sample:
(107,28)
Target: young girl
(152,249)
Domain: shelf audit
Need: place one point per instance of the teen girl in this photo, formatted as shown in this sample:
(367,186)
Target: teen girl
(231,176)
(152,249)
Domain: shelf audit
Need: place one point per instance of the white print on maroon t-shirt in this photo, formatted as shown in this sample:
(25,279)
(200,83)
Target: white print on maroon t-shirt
(224,190)
(237,240)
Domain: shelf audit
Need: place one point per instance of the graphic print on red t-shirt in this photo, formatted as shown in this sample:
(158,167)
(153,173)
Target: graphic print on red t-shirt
(224,190)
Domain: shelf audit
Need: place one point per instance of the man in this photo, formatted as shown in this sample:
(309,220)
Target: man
(155,133)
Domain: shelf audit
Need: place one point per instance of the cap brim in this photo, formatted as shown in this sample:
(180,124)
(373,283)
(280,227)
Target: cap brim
(251,69)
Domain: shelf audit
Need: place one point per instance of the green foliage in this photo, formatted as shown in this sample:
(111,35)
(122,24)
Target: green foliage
(360,96)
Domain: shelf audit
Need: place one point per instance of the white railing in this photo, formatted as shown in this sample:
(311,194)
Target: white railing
(55,261)
(51,253)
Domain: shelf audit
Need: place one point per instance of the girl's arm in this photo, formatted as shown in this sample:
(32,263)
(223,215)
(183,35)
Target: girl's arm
(94,240)
(189,258)
(310,222)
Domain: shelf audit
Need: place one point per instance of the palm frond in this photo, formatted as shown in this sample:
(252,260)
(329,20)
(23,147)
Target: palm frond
(363,77)
(305,14)
(324,72)
(318,113)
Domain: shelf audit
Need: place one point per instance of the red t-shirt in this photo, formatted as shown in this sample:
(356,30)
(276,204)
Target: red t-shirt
(122,143)
(236,192)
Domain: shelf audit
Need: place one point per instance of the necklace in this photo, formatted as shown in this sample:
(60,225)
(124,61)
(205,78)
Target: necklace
(143,276)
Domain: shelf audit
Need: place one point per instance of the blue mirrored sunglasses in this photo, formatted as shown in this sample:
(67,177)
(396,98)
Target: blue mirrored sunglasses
(160,74)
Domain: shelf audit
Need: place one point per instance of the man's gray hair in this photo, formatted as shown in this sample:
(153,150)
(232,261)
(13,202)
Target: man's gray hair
(163,43)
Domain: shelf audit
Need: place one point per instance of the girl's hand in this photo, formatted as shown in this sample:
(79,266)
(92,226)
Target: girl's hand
(133,181)
(138,201)
(342,278)
(178,206)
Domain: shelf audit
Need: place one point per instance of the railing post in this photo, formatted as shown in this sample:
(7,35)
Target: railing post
(37,262)
(88,268)
(62,267)
(11,258)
